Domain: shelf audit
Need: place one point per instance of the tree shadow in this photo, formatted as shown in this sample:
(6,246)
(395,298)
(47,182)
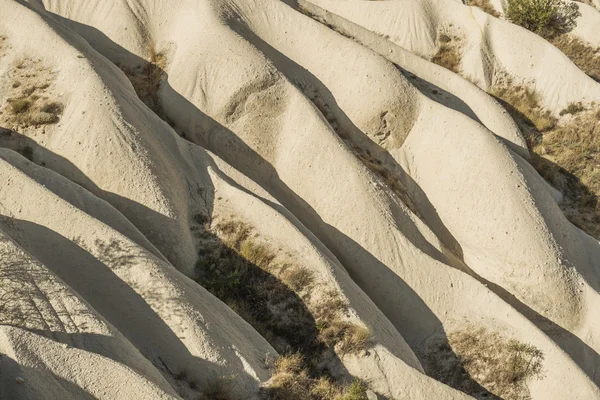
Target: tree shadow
(122,305)
(38,384)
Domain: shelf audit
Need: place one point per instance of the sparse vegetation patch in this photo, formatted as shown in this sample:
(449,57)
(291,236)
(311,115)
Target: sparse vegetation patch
(483,363)
(568,158)
(586,57)
(448,54)
(485,5)
(566,154)
(277,297)
(573,108)
(30,99)
(146,80)
(523,105)
(291,381)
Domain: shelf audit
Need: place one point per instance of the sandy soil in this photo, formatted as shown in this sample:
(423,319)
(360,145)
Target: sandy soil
(130,130)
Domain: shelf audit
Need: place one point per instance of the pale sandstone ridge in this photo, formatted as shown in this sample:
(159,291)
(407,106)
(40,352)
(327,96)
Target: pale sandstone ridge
(401,188)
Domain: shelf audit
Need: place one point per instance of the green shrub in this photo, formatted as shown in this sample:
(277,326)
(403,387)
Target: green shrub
(547,18)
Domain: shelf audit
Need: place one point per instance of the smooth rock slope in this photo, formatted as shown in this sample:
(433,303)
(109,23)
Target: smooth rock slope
(133,133)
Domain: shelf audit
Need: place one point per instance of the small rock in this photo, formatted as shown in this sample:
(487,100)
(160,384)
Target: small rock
(371,395)
(19,380)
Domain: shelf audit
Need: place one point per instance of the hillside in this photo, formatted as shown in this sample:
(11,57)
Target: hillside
(311,199)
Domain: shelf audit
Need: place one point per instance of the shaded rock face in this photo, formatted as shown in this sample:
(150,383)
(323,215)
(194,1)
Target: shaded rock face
(323,199)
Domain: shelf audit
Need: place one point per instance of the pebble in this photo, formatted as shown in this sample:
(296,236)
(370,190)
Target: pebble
(371,395)
(19,380)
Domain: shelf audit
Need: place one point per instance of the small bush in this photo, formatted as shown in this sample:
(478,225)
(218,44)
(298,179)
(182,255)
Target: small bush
(573,108)
(54,108)
(219,389)
(523,105)
(483,363)
(547,18)
(298,278)
(525,361)
(19,106)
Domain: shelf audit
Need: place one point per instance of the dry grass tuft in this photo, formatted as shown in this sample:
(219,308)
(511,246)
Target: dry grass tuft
(565,154)
(291,381)
(291,364)
(28,102)
(297,278)
(355,338)
(573,108)
(148,78)
(523,104)
(448,54)
(485,5)
(480,363)
(258,254)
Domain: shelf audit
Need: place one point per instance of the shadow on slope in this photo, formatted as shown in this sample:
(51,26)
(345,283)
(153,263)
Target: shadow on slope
(342,246)
(38,384)
(581,205)
(119,303)
(234,151)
